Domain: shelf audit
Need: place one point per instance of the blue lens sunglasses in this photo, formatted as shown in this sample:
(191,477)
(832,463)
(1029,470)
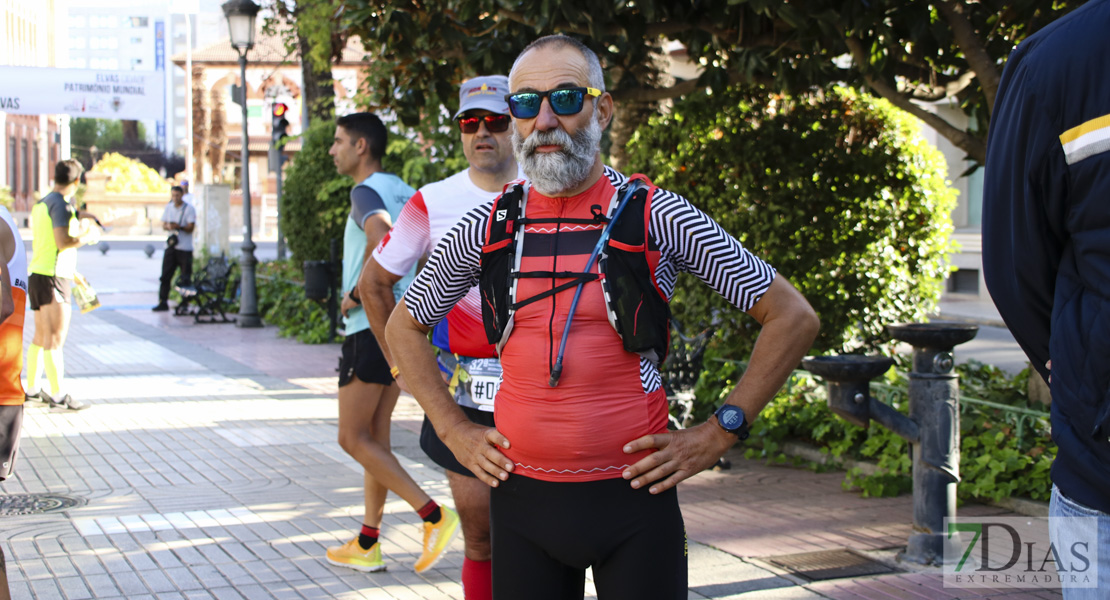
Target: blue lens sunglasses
(564,101)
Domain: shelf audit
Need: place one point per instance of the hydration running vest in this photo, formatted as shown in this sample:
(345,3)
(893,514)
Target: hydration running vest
(635,304)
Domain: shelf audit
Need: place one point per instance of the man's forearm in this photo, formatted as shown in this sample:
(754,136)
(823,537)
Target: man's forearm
(788,327)
(782,343)
(416,359)
(378,302)
(773,359)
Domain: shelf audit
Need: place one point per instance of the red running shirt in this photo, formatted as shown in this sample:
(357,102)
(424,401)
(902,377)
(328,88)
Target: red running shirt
(606,397)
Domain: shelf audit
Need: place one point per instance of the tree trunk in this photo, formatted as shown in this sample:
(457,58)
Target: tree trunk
(200,125)
(218,137)
(130,133)
(627,117)
(318,88)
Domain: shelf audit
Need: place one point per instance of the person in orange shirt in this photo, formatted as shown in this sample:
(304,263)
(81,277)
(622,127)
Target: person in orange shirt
(13,302)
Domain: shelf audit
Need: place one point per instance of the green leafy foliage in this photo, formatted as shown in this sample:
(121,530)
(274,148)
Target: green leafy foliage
(838,191)
(105,134)
(6,198)
(932,51)
(282,303)
(417,165)
(315,199)
(996,461)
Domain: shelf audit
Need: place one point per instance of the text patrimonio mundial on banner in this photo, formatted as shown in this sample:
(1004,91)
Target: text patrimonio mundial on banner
(83,93)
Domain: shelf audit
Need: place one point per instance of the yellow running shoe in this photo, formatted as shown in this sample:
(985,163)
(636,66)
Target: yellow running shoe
(437,537)
(352,556)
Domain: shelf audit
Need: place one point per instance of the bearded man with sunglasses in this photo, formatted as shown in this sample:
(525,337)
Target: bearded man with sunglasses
(582,467)
(468,361)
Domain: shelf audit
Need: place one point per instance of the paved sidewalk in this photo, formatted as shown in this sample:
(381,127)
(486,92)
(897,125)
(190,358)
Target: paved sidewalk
(208,468)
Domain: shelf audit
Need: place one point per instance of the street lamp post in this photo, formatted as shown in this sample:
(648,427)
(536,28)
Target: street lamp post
(240,23)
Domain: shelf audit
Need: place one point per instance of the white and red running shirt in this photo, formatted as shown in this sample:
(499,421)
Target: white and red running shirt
(607,396)
(425,220)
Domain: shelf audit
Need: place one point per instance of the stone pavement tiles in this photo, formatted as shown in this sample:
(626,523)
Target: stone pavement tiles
(204,478)
(209,469)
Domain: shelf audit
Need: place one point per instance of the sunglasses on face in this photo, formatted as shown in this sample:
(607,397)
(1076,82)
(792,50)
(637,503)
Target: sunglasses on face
(494,123)
(564,101)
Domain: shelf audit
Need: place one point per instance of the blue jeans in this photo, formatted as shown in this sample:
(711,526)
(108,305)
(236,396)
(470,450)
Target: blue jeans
(1063,535)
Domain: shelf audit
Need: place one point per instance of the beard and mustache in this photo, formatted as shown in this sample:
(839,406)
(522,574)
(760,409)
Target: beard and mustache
(555,172)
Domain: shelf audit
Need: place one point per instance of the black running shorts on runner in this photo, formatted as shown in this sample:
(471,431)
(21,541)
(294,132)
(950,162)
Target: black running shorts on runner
(546,533)
(362,357)
(47,289)
(438,451)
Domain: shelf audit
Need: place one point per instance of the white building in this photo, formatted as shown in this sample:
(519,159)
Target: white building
(30,145)
(129,35)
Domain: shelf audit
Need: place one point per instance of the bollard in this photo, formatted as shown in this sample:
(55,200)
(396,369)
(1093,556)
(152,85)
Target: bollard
(932,428)
(934,392)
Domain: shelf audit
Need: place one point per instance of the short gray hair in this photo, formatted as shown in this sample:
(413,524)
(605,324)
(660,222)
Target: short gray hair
(595,76)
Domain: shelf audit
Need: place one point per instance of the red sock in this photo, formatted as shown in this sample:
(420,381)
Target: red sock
(477,579)
(430,512)
(368,536)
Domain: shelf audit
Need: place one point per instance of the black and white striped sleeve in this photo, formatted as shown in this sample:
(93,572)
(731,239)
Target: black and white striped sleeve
(452,269)
(689,240)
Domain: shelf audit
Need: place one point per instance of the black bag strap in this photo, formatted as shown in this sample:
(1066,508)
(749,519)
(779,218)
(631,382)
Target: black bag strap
(555,275)
(555,290)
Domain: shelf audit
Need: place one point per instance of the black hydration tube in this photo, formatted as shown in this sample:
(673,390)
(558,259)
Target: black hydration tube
(557,370)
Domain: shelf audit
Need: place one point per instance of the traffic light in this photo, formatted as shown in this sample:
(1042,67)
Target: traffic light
(280,124)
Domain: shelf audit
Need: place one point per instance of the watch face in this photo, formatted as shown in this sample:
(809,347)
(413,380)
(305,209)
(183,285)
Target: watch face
(730,417)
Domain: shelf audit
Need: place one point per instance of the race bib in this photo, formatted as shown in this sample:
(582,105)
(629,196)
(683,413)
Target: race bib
(485,380)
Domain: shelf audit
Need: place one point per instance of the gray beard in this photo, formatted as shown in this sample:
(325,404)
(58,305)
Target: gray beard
(553,173)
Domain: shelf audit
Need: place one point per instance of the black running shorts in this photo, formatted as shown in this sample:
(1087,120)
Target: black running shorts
(47,289)
(546,533)
(438,451)
(362,357)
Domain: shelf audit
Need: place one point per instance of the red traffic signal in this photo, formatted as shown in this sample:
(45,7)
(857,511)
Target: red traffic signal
(279,123)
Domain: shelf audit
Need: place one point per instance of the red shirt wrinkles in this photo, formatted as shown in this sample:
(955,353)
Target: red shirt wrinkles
(576,431)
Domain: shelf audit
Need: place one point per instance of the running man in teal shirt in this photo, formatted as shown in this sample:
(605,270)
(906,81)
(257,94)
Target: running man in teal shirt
(367,390)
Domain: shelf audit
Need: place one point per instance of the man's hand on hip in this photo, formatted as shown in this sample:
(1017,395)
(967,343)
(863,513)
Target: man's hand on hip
(477,448)
(680,455)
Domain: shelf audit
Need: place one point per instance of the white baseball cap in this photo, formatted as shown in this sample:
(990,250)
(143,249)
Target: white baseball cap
(487,92)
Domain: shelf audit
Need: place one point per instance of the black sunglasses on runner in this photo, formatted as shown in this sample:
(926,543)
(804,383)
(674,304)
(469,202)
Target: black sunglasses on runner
(494,123)
(564,101)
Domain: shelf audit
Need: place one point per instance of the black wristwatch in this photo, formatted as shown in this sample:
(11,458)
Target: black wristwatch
(732,420)
(351,295)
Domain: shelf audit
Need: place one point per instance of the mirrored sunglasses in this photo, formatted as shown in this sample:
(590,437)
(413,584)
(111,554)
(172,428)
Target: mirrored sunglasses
(494,123)
(564,101)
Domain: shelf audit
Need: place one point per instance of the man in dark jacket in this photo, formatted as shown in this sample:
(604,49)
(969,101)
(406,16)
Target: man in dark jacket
(1046,251)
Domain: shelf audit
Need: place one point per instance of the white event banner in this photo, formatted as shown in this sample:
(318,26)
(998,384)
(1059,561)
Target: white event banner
(90,93)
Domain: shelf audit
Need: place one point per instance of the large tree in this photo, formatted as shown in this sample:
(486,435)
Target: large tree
(312,30)
(902,50)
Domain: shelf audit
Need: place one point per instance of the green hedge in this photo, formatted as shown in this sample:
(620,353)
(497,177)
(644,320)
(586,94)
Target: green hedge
(838,191)
(995,462)
(316,199)
(282,303)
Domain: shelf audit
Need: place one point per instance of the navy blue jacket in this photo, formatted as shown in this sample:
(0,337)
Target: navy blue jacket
(1046,232)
